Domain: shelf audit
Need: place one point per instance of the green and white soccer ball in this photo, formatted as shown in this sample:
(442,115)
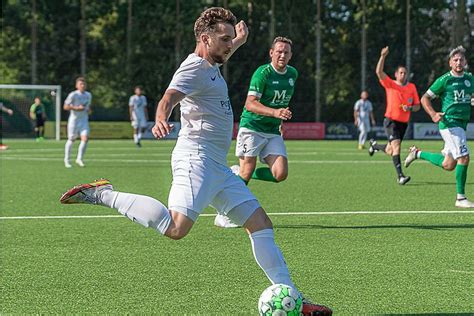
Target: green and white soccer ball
(280,300)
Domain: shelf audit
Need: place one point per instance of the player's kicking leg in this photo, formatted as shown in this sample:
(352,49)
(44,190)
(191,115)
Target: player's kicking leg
(267,254)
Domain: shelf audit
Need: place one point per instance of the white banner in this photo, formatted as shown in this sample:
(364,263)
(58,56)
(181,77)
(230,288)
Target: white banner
(431,131)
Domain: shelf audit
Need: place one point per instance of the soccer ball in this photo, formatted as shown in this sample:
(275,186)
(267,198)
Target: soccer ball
(280,300)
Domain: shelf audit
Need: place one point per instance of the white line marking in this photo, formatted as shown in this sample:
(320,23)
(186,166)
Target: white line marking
(271,214)
(460,271)
(168,161)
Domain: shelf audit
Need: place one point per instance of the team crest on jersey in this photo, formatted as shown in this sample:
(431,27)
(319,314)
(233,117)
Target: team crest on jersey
(410,100)
(467,83)
(291,82)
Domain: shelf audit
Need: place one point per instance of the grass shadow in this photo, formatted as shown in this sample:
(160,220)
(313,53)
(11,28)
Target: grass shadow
(412,226)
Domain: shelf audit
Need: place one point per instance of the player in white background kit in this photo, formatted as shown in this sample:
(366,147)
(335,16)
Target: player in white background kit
(79,104)
(201,176)
(363,110)
(138,114)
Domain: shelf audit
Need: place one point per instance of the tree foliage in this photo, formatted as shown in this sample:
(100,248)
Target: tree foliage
(112,76)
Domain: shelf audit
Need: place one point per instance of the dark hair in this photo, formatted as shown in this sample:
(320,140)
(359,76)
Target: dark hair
(137,87)
(80,79)
(209,19)
(37,97)
(281,39)
(400,66)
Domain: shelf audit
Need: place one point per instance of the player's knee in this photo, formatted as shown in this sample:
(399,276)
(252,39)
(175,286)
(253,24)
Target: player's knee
(280,175)
(176,233)
(449,165)
(464,160)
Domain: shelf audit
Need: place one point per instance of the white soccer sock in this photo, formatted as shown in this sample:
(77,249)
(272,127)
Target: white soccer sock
(139,208)
(269,257)
(135,138)
(67,150)
(139,136)
(82,150)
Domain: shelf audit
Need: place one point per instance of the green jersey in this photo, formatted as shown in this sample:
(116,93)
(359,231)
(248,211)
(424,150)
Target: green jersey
(455,93)
(37,110)
(274,89)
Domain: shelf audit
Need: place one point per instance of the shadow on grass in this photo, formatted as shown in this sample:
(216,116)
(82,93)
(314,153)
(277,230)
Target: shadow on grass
(414,226)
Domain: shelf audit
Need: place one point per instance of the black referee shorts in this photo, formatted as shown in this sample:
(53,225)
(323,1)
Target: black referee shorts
(394,129)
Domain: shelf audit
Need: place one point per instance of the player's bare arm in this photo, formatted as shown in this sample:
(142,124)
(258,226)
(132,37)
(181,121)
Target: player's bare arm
(241,34)
(253,104)
(69,107)
(356,115)
(163,112)
(381,63)
(412,108)
(428,107)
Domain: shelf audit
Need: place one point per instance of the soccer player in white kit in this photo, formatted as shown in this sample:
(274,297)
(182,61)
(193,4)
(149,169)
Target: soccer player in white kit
(79,104)
(138,114)
(363,110)
(201,176)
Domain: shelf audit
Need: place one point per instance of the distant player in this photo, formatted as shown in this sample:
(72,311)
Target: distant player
(3,109)
(402,99)
(79,103)
(363,116)
(138,115)
(199,162)
(38,115)
(271,88)
(456,91)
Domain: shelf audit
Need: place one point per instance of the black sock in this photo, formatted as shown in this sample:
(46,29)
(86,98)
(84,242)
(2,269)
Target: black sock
(398,165)
(37,133)
(42,132)
(380,147)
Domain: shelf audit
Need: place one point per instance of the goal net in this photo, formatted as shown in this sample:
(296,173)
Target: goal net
(19,98)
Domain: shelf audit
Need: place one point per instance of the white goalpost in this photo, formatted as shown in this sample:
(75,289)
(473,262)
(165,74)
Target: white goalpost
(21,96)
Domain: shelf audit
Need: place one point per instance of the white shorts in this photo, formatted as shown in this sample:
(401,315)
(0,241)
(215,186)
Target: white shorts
(199,182)
(77,128)
(253,144)
(140,123)
(455,144)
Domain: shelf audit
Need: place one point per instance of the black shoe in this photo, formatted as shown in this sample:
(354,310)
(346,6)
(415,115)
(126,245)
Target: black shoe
(138,144)
(372,143)
(402,180)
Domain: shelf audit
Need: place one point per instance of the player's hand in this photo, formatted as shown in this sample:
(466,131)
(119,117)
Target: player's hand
(80,107)
(384,51)
(406,108)
(10,112)
(161,129)
(437,116)
(241,31)
(283,114)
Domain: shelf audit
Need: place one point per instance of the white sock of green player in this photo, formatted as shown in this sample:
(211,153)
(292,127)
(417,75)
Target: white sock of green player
(67,150)
(142,209)
(269,257)
(82,149)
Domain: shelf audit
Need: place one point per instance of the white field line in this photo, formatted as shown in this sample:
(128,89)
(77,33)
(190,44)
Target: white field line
(270,214)
(461,271)
(168,161)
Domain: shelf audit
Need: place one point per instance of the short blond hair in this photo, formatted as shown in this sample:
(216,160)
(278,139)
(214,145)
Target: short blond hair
(458,50)
(282,39)
(209,19)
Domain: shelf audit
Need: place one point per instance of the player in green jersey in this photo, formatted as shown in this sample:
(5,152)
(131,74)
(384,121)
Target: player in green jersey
(271,88)
(456,91)
(38,115)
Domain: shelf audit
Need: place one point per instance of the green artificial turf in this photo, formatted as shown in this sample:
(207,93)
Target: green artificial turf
(412,253)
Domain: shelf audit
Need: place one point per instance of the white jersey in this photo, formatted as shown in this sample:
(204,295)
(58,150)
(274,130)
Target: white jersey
(78,98)
(206,112)
(138,105)
(364,108)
